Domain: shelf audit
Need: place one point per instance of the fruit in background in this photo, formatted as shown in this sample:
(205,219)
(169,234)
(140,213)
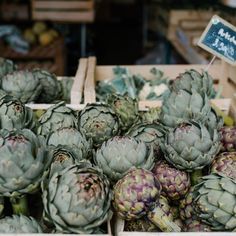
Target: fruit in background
(30,36)
(45,38)
(53,33)
(39,27)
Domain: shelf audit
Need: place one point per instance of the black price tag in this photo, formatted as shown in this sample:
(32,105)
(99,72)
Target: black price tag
(219,38)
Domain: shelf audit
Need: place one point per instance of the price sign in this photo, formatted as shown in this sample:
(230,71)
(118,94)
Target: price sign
(219,38)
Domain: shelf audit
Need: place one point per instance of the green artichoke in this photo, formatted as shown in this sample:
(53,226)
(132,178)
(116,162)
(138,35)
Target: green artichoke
(98,122)
(192,79)
(56,117)
(24,159)
(183,106)
(50,86)
(117,155)
(6,67)
(126,109)
(225,163)
(135,194)
(151,134)
(215,200)
(14,114)
(65,88)
(63,158)
(214,121)
(22,85)
(19,225)
(77,199)
(175,183)
(228,139)
(72,140)
(190,146)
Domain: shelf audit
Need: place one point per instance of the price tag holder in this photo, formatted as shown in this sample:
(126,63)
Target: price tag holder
(219,38)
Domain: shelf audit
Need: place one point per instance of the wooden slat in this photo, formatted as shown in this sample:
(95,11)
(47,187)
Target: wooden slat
(44,106)
(56,5)
(222,104)
(89,87)
(87,16)
(77,88)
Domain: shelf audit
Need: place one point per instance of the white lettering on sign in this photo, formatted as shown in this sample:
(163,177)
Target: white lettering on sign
(227,36)
(227,50)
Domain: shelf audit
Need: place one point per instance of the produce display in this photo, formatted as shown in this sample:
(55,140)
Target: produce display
(65,171)
(40,33)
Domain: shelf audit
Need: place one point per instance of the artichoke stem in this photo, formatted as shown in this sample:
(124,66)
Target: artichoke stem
(195,177)
(158,217)
(20,205)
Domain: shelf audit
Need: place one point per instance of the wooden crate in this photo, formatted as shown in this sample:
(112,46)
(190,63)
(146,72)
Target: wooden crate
(222,75)
(14,11)
(183,29)
(63,11)
(51,57)
(76,94)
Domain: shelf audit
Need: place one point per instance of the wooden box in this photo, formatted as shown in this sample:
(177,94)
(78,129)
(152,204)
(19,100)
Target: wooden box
(14,11)
(183,29)
(76,94)
(224,76)
(63,11)
(51,57)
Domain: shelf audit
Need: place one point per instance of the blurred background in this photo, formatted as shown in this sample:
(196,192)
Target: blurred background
(54,34)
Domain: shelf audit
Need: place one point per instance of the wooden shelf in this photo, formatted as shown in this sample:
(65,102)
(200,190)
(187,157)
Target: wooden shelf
(51,57)
(63,10)
(14,11)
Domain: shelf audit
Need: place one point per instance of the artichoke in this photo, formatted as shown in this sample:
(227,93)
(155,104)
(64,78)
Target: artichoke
(65,88)
(175,183)
(63,158)
(22,85)
(214,121)
(98,122)
(6,67)
(77,199)
(50,86)
(136,194)
(24,159)
(56,117)
(125,108)
(215,200)
(183,106)
(19,225)
(151,134)
(192,79)
(190,146)
(228,139)
(14,114)
(225,163)
(72,140)
(186,209)
(117,155)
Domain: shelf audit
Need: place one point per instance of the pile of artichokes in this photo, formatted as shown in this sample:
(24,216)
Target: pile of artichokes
(36,86)
(170,169)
